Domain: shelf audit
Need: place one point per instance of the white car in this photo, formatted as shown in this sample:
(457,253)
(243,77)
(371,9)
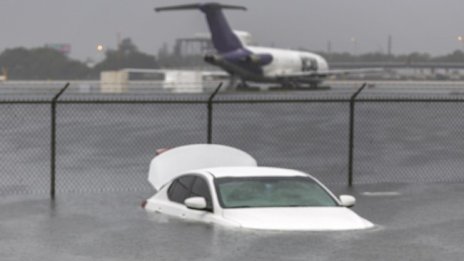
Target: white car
(223,185)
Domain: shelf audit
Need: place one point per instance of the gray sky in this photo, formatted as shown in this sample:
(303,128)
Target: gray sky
(415,25)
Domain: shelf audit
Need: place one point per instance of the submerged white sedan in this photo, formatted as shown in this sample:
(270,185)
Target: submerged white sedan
(223,185)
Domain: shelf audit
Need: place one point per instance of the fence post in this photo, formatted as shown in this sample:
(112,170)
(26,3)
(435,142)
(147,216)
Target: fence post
(351,139)
(53,141)
(210,114)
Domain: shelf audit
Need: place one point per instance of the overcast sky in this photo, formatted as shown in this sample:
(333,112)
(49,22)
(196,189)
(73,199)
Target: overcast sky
(415,25)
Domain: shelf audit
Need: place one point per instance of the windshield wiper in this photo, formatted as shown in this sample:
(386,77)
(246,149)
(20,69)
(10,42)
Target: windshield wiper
(245,206)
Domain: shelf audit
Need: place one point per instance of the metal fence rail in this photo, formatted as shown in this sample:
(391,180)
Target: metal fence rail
(76,143)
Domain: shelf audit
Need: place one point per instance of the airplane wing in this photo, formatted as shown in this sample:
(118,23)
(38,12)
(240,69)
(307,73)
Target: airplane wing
(355,71)
(329,73)
(199,6)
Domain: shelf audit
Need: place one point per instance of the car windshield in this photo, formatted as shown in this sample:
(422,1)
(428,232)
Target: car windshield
(264,192)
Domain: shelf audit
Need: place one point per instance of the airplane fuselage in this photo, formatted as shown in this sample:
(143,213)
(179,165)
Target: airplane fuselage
(287,63)
(263,64)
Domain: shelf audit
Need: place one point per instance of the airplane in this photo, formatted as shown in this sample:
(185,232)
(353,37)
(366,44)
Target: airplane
(288,68)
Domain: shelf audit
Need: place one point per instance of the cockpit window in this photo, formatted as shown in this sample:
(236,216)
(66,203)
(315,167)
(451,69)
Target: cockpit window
(309,64)
(272,192)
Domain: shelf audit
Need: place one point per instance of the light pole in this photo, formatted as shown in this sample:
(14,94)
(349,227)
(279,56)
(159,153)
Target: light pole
(461,39)
(100,53)
(354,41)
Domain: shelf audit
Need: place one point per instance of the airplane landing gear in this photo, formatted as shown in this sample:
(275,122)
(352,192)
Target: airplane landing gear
(313,86)
(290,85)
(233,83)
(243,85)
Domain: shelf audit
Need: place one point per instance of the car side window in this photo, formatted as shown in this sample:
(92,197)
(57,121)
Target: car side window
(180,189)
(190,186)
(200,189)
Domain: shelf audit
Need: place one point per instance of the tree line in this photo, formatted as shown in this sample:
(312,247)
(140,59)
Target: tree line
(45,63)
(415,57)
(48,64)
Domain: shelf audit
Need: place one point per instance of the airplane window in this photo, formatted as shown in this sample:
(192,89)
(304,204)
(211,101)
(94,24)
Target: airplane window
(304,64)
(314,65)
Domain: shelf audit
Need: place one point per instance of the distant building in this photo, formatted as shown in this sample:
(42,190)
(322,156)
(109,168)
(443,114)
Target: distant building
(4,75)
(201,43)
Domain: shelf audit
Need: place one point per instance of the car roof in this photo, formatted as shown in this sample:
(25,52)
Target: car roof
(241,172)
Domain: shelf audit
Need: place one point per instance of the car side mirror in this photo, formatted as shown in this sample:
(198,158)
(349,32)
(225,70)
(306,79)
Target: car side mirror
(347,201)
(197,203)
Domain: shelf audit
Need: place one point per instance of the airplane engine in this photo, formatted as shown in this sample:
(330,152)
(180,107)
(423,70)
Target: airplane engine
(256,59)
(212,58)
(259,59)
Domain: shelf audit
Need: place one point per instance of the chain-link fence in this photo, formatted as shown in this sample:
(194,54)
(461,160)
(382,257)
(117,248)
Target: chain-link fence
(309,135)
(105,142)
(105,146)
(409,140)
(25,148)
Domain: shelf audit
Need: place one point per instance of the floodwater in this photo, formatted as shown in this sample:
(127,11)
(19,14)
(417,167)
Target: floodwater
(414,222)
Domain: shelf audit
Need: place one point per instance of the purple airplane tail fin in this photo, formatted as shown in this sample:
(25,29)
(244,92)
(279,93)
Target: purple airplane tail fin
(224,39)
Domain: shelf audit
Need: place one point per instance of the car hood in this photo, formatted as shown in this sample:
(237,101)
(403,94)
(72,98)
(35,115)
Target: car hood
(297,218)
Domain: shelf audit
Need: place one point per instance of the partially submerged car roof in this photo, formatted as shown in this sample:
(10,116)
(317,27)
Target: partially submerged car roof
(177,161)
